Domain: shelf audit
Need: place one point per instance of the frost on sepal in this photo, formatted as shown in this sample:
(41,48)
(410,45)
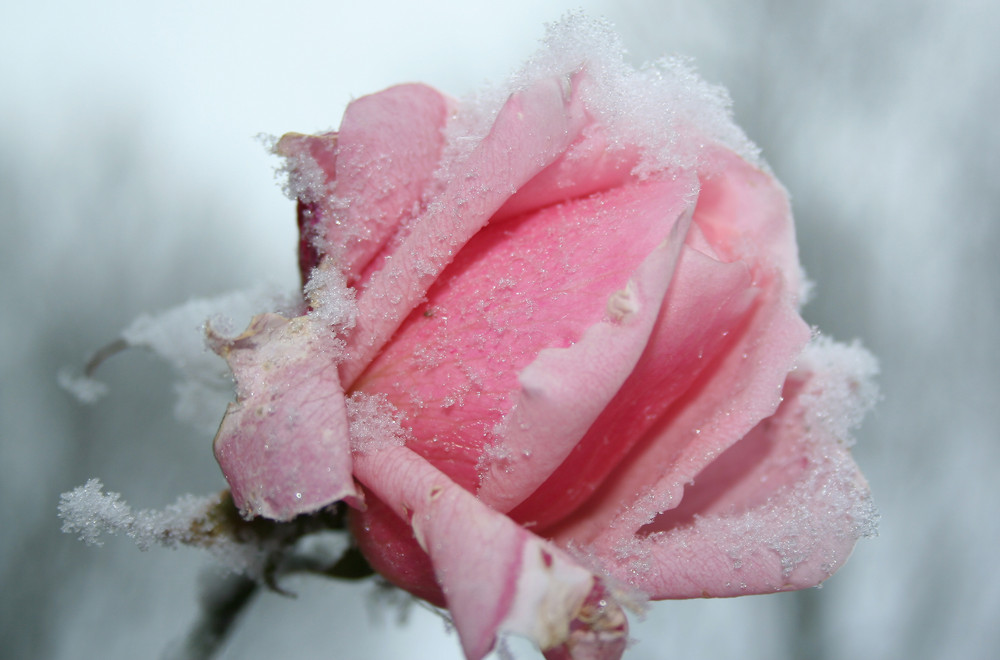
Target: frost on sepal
(261,549)
(85,389)
(177,336)
(208,522)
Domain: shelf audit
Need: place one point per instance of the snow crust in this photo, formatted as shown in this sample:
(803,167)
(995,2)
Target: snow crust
(664,108)
(332,301)
(85,389)
(375,423)
(842,389)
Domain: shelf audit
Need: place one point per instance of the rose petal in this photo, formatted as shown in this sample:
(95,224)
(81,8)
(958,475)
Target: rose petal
(387,542)
(744,214)
(591,164)
(780,510)
(713,369)
(496,576)
(700,319)
(532,129)
(537,282)
(723,392)
(283,445)
(564,390)
(376,171)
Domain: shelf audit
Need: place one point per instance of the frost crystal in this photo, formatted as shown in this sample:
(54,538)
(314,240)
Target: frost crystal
(332,301)
(86,390)
(375,423)
(844,390)
(89,512)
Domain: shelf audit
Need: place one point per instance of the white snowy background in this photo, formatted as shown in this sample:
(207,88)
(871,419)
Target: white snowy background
(130,181)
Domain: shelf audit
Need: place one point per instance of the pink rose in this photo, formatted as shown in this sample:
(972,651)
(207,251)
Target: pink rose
(551,357)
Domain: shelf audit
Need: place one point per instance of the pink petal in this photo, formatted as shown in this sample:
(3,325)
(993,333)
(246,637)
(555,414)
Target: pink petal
(544,281)
(532,129)
(564,390)
(744,214)
(593,163)
(388,544)
(712,370)
(283,446)
(312,164)
(496,576)
(719,358)
(780,510)
(700,319)
(376,171)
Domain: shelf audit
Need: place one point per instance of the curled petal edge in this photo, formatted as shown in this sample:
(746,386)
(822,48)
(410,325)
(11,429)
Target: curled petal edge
(284,444)
(496,576)
(780,513)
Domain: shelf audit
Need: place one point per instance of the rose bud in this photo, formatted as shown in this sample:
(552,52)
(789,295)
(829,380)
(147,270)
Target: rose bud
(551,355)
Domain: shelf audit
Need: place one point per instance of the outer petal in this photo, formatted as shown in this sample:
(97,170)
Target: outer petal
(744,214)
(533,128)
(780,510)
(728,371)
(283,446)
(360,185)
(496,576)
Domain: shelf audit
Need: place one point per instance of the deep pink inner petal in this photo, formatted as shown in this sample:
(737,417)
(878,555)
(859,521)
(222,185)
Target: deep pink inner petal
(738,386)
(533,129)
(704,312)
(389,546)
(520,286)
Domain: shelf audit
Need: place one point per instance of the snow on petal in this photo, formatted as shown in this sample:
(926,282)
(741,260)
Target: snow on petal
(496,576)
(718,362)
(358,186)
(533,128)
(283,446)
(520,287)
(782,509)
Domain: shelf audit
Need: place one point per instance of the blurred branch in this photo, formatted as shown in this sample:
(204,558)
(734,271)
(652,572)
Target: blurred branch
(221,606)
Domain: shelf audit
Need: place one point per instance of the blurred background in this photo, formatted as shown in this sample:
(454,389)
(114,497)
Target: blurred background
(131,180)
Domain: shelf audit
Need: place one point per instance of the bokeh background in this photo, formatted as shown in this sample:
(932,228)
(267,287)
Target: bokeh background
(131,180)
